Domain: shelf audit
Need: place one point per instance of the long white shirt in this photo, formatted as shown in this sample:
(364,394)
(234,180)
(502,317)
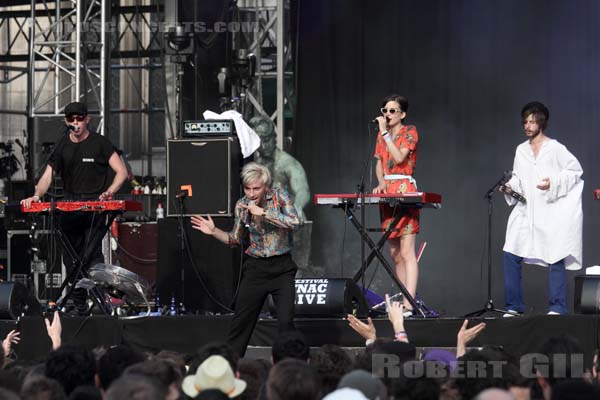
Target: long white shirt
(548,227)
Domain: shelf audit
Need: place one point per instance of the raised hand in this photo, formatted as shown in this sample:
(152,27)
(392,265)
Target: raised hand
(54,330)
(367,331)
(395,311)
(11,338)
(465,335)
(204,225)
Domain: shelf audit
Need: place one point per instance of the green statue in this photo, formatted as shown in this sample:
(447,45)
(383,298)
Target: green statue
(287,172)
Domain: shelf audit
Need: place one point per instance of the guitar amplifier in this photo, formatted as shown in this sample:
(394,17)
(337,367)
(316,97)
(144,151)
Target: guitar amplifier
(208,128)
(36,262)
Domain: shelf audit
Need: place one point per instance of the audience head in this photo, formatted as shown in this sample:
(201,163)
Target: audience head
(212,394)
(331,363)
(212,349)
(214,373)
(71,366)
(86,393)
(293,379)
(160,372)
(345,394)
(114,361)
(254,373)
(370,386)
(290,344)
(134,387)
(42,388)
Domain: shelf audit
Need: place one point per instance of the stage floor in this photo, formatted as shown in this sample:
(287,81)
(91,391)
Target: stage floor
(518,335)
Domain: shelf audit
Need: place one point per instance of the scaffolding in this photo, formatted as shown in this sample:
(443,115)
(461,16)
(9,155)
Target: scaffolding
(271,43)
(61,41)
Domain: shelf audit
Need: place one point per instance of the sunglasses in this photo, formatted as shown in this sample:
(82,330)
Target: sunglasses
(74,118)
(390,110)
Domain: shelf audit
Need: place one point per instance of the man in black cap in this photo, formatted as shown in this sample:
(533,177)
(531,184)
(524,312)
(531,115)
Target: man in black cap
(91,169)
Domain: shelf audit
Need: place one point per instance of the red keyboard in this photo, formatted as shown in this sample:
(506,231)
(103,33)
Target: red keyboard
(420,199)
(92,206)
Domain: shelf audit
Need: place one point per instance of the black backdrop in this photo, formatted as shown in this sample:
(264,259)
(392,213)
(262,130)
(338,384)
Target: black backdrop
(467,67)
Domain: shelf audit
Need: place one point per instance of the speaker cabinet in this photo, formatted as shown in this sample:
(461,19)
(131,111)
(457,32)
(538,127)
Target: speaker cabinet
(207,170)
(46,132)
(587,294)
(322,297)
(217,265)
(15,301)
(42,268)
(137,251)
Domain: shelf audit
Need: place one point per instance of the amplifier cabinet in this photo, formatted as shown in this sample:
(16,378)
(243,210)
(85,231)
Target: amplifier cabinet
(207,170)
(39,265)
(137,248)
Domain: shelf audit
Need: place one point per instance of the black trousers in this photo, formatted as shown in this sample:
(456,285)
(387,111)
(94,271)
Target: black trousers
(261,277)
(79,228)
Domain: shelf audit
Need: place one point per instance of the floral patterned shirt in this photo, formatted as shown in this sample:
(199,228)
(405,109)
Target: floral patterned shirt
(266,239)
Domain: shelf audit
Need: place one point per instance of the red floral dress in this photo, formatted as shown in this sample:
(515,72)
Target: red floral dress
(406,138)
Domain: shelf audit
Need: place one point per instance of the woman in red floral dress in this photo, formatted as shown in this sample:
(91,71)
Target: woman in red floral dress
(396,154)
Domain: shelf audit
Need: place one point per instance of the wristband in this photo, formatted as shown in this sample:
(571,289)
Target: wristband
(35,197)
(401,335)
(387,137)
(369,342)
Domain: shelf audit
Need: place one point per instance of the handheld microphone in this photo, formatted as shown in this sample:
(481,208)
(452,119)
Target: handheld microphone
(248,216)
(71,128)
(181,195)
(515,195)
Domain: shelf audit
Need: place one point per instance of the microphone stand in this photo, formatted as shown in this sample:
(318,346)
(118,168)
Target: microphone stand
(52,194)
(360,191)
(489,305)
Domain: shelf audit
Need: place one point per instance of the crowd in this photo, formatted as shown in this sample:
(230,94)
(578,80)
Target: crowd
(387,368)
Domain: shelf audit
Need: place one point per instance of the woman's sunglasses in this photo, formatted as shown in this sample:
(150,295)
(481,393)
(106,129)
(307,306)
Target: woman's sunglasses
(390,110)
(74,118)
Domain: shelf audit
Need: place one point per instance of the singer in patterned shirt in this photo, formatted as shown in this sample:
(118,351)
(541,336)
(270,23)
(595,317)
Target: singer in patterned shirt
(266,217)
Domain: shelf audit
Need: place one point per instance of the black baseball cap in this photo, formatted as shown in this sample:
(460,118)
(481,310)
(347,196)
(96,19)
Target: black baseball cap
(75,108)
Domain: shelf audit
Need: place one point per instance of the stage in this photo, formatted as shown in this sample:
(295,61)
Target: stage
(518,335)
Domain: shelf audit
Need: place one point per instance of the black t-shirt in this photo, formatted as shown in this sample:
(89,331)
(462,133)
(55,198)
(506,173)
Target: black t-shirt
(84,166)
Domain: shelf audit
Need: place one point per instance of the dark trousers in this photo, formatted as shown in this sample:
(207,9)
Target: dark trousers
(79,229)
(513,292)
(261,277)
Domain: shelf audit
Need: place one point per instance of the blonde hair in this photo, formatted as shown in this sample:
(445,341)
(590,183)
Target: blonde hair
(253,172)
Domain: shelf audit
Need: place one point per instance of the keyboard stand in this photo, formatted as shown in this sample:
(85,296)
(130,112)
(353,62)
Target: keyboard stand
(81,262)
(376,253)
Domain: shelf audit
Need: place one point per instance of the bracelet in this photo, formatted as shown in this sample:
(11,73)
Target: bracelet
(34,197)
(387,137)
(369,342)
(401,335)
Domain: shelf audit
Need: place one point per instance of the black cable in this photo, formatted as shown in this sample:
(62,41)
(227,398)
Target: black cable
(186,245)
(343,249)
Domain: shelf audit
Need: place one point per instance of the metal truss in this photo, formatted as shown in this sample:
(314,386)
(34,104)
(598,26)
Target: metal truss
(270,41)
(63,36)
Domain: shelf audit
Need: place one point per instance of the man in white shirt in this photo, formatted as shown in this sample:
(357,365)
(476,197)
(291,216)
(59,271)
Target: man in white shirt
(546,228)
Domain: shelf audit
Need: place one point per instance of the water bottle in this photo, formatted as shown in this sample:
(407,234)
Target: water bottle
(160,211)
(157,303)
(173,309)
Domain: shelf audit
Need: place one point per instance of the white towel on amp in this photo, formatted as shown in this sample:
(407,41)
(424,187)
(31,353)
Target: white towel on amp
(249,140)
